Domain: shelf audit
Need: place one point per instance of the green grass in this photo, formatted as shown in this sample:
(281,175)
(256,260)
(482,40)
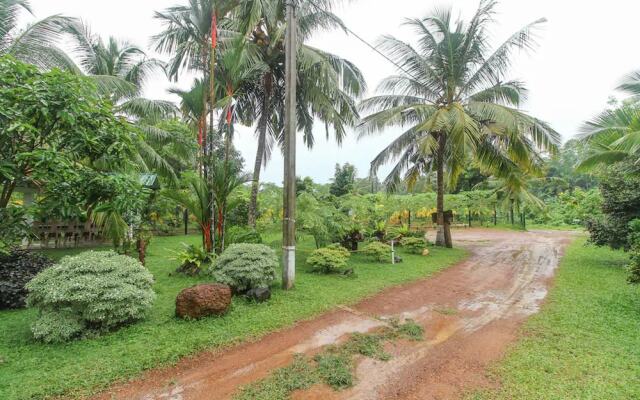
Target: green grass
(585,344)
(29,370)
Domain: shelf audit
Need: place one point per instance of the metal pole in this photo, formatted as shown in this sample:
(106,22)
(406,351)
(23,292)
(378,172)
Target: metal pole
(288,223)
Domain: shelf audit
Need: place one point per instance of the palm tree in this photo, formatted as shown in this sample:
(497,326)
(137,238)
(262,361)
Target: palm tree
(120,70)
(614,135)
(452,98)
(196,199)
(36,43)
(514,192)
(327,84)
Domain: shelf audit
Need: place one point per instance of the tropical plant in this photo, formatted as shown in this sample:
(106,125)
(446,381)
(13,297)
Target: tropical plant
(120,70)
(327,84)
(16,270)
(245,266)
(195,197)
(77,128)
(194,260)
(328,260)
(88,294)
(343,180)
(240,234)
(452,97)
(36,43)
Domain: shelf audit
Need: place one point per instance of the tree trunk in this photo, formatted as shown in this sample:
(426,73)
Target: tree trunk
(440,235)
(262,138)
(511,213)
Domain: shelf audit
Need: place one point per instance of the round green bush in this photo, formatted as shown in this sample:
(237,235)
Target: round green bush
(246,266)
(16,270)
(88,294)
(328,260)
(413,245)
(377,251)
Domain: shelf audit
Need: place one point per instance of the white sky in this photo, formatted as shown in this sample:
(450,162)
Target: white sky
(585,49)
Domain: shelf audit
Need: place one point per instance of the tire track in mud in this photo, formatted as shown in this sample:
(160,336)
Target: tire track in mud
(470,312)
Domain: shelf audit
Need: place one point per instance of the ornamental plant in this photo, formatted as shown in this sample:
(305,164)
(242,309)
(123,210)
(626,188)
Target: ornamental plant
(16,270)
(329,260)
(89,294)
(245,266)
(377,251)
(413,245)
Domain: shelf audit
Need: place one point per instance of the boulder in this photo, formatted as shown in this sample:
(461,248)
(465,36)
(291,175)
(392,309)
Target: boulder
(203,300)
(259,295)
(425,252)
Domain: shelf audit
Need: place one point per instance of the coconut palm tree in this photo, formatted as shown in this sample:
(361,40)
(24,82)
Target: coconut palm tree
(36,43)
(614,135)
(453,100)
(328,85)
(120,70)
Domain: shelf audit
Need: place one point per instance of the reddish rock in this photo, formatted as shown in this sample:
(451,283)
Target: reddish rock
(203,300)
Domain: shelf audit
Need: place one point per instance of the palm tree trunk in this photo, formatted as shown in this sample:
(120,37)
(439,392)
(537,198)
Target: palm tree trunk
(511,212)
(440,236)
(262,138)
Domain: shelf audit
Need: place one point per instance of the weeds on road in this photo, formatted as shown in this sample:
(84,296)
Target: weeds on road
(334,366)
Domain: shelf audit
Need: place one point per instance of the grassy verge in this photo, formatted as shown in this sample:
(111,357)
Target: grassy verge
(585,344)
(29,370)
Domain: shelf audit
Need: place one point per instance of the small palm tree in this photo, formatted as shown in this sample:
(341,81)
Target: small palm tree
(453,100)
(195,197)
(37,43)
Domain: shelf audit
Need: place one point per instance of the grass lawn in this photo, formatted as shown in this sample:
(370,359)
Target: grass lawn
(30,370)
(585,344)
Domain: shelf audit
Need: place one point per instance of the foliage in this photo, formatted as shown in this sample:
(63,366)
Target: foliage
(194,260)
(328,260)
(377,251)
(621,204)
(335,369)
(13,228)
(574,207)
(240,234)
(245,267)
(320,219)
(36,43)
(75,128)
(16,269)
(343,180)
(88,294)
(413,245)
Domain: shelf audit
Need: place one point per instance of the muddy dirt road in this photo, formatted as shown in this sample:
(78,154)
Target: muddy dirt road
(471,313)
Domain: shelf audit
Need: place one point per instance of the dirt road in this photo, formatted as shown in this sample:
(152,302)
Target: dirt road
(471,313)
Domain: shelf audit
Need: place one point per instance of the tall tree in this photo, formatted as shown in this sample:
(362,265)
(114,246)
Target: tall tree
(120,70)
(36,43)
(328,85)
(451,96)
(344,180)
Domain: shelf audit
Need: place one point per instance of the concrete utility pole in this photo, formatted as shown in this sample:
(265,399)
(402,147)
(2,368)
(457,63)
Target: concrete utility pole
(289,221)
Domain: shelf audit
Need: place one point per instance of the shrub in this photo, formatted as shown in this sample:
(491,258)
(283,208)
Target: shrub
(634,267)
(238,234)
(245,266)
(340,248)
(89,294)
(194,259)
(329,259)
(413,245)
(16,270)
(377,251)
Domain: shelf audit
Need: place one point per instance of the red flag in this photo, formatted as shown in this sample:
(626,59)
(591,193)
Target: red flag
(214,31)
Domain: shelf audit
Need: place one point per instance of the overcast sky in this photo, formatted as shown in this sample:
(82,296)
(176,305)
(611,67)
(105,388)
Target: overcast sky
(584,50)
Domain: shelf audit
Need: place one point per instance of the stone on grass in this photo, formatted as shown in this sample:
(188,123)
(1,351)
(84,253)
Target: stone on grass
(425,252)
(203,300)
(259,295)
